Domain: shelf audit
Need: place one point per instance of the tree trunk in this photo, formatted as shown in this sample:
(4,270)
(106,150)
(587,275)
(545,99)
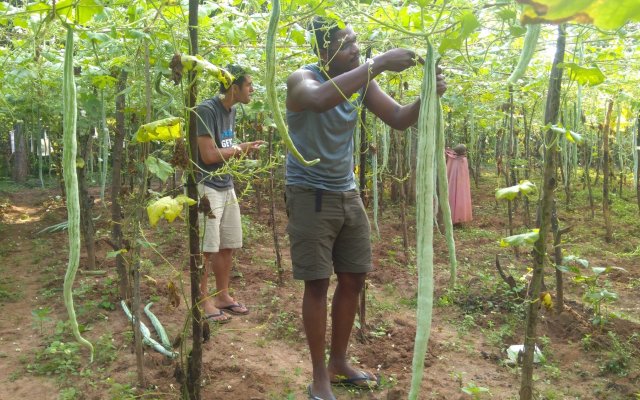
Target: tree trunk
(20,165)
(479,152)
(116,186)
(637,166)
(547,198)
(588,149)
(527,156)
(605,173)
(598,161)
(194,360)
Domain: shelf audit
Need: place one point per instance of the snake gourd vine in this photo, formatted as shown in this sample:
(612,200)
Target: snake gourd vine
(70,117)
(443,193)
(374,175)
(427,131)
(269,81)
(529,47)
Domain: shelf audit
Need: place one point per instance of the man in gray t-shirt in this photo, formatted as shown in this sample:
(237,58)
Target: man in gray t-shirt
(220,225)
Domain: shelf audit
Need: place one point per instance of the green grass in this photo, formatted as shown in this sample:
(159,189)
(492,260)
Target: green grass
(9,291)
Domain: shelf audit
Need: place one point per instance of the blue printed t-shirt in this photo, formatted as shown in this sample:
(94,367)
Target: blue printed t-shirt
(328,136)
(215,120)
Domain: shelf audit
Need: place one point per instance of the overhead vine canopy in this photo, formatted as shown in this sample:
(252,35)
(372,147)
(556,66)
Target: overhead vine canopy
(601,13)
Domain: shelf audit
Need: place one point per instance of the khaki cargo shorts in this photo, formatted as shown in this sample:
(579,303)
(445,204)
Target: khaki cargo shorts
(222,227)
(329,232)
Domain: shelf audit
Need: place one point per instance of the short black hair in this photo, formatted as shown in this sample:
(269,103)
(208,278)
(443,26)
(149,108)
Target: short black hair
(322,31)
(460,149)
(239,75)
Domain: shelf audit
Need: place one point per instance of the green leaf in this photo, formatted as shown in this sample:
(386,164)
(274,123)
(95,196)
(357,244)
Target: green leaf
(298,36)
(584,75)
(469,24)
(602,14)
(136,34)
(574,137)
(506,14)
(98,37)
(568,268)
(21,22)
(571,136)
(449,43)
(603,295)
(572,258)
(159,168)
(167,208)
(517,30)
(519,240)
(113,254)
(145,244)
(525,187)
(64,9)
(103,81)
(86,9)
(35,7)
(162,130)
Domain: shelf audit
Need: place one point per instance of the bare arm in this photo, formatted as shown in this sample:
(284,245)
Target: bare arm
(390,111)
(304,92)
(393,114)
(212,154)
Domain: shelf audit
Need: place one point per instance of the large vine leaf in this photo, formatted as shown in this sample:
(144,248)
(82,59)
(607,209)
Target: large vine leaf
(168,208)
(602,14)
(160,168)
(163,130)
(584,75)
(518,240)
(468,24)
(509,193)
(81,11)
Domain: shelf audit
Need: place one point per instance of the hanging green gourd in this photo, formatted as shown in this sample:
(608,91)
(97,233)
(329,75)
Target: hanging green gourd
(269,81)
(528,48)
(71,184)
(104,146)
(427,125)
(374,175)
(443,194)
(384,139)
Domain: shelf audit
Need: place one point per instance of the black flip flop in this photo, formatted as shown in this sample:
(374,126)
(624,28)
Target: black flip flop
(311,395)
(230,309)
(212,317)
(363,380)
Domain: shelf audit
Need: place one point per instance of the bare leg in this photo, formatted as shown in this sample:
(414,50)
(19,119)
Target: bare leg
(345,303)
(221,266)
(207,302)
(314,318)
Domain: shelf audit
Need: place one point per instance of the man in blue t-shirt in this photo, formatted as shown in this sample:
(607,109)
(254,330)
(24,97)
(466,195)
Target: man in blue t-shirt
(220,225)
(328,226)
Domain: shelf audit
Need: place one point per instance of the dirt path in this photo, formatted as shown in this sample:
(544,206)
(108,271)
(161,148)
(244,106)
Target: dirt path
(264,355)
(20,281)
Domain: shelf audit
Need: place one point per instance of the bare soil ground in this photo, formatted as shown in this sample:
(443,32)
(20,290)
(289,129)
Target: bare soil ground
(263,355)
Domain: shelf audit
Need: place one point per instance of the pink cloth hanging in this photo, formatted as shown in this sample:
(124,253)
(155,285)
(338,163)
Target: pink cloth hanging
(459,187)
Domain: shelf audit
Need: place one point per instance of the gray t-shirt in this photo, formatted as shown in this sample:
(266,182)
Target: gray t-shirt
(213,119)
(327,136)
